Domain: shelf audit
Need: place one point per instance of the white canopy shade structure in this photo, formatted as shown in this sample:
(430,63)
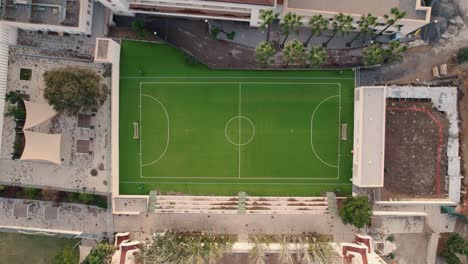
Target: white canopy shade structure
(41,146)
(37,113)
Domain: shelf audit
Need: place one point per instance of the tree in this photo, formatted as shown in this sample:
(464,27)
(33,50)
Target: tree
(264,53)
(268,17)
(100,254)
(317,25)
(72,90)
(342,24)
(285,255)
(317,56)
(257,254)
(356,211)
(395,15)
(366,25)
(291,22)
(67,256)
(456,244)
(373,54)
(178,247)
(294,52)
(394,51)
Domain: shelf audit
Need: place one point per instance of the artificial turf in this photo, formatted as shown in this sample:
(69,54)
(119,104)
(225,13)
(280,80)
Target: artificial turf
(218,132)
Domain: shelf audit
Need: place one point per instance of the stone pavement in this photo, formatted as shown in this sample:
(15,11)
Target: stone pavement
(145,225)
(72,218)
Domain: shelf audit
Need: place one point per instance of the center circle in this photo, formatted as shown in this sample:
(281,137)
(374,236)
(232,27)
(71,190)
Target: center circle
(239,130)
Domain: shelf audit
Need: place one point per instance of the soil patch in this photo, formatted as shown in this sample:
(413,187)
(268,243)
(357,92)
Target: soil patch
(415,150)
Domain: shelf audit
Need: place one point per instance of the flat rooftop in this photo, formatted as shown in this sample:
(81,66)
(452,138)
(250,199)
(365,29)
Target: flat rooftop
(369,137)
(49,12)
(376,7)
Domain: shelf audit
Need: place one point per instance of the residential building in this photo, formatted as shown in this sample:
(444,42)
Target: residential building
(248,11)
(60,16)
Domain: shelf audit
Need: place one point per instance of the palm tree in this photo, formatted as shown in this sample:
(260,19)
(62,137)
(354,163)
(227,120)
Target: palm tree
(285,255)
(394,51)
(294,52)
(395,15)
(290,23)
(268,17)
(317,25)
(373,54)
(257,254)
(343,24)
(264,53)
(366,24)
(317,56)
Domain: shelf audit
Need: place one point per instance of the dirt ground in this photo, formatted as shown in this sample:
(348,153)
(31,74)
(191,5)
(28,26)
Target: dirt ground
(411,150)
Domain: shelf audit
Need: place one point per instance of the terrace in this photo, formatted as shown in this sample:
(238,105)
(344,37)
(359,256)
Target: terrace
(378,7)
(51,12)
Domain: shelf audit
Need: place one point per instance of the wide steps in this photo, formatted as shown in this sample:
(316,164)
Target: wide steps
(240,205)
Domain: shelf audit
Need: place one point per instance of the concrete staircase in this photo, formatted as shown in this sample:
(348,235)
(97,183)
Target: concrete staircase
(241,205)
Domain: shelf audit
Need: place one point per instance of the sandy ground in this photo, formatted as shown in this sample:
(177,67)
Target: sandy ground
(411,248)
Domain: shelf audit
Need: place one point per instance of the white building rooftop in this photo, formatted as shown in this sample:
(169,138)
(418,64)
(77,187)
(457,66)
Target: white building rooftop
(369,136)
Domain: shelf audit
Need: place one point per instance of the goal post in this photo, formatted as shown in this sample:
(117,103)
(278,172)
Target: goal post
(136,130)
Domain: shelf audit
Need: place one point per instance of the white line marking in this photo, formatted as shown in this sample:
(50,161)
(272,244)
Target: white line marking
(277,83)
(245,183)
(168,131)
(339,130)
(141,138)
(213,77)
(240,129)
(229,178)
(230,140)
(312,128)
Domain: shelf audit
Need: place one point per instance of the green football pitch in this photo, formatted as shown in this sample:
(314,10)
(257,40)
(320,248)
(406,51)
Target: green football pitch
(185,128)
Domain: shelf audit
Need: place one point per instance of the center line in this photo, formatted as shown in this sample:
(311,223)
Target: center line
(240,124)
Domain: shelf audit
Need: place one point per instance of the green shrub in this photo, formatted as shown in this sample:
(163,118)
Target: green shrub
(356,211)
(67,256)
(16,112)
(31,193)
(100,254)
(86,198)
(456,244)
(215,32)
(462,55)
(231,35)
(449,257)
(13,97)
(391,238)
(191,60)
